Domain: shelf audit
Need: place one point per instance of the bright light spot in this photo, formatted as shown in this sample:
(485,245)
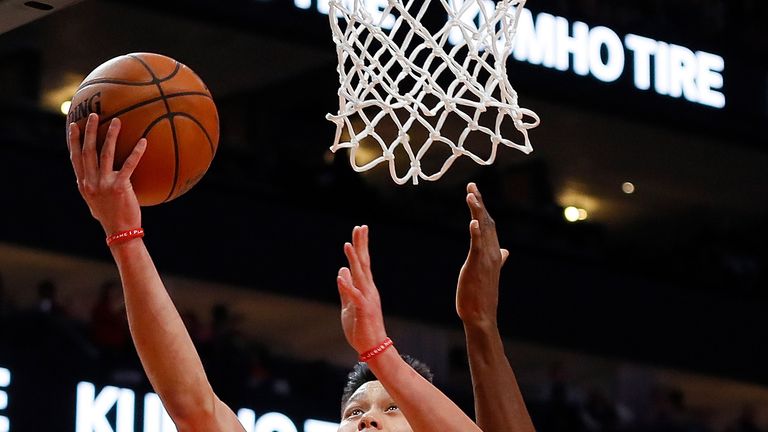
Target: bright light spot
(5,377)
(302,4)
(571,214)
(274,422)
(156,419)
(365,153)
(92,410)
(320,426)
(65,107)
(575,214)
(628,188)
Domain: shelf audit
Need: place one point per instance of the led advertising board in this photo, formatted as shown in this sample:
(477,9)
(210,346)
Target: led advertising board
(577,48)
(115,409)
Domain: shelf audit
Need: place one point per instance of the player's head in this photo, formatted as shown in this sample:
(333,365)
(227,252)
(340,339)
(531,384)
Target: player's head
(366,404)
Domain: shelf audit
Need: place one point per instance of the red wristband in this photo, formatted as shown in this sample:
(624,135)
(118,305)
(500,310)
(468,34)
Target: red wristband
(122,236)
(364,357)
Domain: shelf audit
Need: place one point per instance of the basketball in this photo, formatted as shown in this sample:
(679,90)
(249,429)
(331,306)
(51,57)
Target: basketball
(159,99)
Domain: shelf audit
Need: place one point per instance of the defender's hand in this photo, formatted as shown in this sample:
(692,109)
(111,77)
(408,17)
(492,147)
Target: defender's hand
(477,295)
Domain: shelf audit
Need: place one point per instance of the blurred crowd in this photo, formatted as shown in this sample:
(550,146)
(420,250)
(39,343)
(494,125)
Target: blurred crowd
(244,370)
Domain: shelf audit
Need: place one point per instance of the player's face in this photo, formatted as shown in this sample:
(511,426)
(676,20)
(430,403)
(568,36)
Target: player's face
(371,408)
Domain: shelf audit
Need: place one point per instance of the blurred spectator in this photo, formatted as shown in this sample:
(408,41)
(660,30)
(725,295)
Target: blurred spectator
(747,421)
(599,413)
(108,327)
(197,331)
(560,411)
(47,300)
(6,308)
(45,327)
(669,413)
(244,370)
(259,367)
(223,324)
(4,302)
(224,354)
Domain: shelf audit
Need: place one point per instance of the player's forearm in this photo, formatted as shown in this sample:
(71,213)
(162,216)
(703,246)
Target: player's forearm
(426,407)
(161,339)
(499,405)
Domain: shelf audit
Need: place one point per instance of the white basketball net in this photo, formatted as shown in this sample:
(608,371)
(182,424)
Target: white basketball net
(382,51)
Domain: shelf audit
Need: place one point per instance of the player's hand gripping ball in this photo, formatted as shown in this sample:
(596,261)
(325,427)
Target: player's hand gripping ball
(159,99)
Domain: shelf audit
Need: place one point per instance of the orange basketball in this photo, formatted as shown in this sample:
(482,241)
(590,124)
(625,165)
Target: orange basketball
(159,99)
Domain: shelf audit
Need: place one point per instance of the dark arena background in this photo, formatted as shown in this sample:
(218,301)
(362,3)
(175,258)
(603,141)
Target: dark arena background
(647,314)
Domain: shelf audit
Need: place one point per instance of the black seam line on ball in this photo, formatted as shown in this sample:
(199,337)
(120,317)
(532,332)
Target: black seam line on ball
(130,83)
(150,101)
(156,81)
(200,125)
(146,132)
(169,114)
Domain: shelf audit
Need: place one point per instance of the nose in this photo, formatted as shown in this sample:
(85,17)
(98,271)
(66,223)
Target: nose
(368,422)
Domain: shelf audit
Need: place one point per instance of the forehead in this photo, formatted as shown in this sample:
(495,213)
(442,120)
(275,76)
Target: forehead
(371,390)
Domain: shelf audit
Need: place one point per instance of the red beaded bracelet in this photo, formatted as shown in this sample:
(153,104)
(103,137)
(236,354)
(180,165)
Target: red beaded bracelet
(364,357)
(121,236)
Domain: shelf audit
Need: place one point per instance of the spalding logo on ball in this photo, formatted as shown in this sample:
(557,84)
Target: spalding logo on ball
(159,99)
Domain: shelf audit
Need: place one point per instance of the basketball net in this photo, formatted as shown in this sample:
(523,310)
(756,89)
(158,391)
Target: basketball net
(391,66)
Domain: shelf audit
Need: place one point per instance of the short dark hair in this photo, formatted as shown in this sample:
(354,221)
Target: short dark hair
(362,374)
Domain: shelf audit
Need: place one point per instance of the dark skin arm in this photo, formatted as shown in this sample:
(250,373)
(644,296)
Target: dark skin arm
(499,405)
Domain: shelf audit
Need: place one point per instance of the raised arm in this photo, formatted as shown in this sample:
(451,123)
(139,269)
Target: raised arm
(499,406)
(425,407)
(162,342)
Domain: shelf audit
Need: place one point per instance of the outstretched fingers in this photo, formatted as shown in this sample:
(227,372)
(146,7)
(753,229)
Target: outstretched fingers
(504,256)
(90,162)
(75,152)
(487,226)
(475,236)
(477,211)
(107,157)
(474,204)
(360,243)
(132,161)
(360,263)
(357,254)
(473,189)
(347,290)
(477,206)
(352,259)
